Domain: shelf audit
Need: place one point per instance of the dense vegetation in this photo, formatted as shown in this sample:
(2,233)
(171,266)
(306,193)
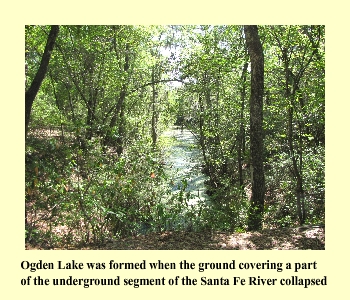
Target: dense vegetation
(99,97)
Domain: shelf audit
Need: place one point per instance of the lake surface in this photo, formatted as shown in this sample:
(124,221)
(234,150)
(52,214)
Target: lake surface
(184,161)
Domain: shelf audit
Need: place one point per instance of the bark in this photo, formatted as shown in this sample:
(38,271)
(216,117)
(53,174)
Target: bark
(256,131)
(201,135)
(297,171)
(241,137)
(40,75)
(291,90)
(118,117)
(154,112)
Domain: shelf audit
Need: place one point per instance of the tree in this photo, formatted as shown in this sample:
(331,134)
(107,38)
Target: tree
(40,75)
(296,61)
(256,131)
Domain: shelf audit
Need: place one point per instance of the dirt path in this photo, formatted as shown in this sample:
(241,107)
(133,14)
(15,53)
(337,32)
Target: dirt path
(277,239)
(308,238)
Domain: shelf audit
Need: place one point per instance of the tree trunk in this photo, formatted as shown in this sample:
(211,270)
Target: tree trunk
(297,171)
(241,137)
(256,131)
(293,96)
(154,111)
(40,74)
(202,142)
(118,117)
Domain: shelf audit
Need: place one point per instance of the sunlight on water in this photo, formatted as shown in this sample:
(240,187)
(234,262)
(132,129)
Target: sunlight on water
(184,163)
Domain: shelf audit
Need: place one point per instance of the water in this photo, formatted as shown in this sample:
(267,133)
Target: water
(183,163)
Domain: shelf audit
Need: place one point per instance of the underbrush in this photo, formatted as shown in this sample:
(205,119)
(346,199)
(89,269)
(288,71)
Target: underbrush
(85,194)
(79,194)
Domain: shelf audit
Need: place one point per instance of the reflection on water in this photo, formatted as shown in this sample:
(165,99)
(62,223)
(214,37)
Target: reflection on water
(184,162)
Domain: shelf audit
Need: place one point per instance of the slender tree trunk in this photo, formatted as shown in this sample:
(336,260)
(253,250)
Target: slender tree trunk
(121,122)
(256,131)
(90,120)
(121,104)
(201,135)
(297,171)
(40,74)
(292,86)
(154,111)
(118,116)
(292,91)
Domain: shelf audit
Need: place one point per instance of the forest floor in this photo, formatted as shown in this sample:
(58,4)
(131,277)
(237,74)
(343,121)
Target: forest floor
(302,238)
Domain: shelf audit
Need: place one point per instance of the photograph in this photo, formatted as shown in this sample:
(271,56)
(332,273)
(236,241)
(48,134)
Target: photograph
(174,137)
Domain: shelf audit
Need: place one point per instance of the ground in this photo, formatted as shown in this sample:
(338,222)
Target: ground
(302,238)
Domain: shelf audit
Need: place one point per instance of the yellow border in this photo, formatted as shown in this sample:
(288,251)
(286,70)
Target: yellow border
(333,262)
